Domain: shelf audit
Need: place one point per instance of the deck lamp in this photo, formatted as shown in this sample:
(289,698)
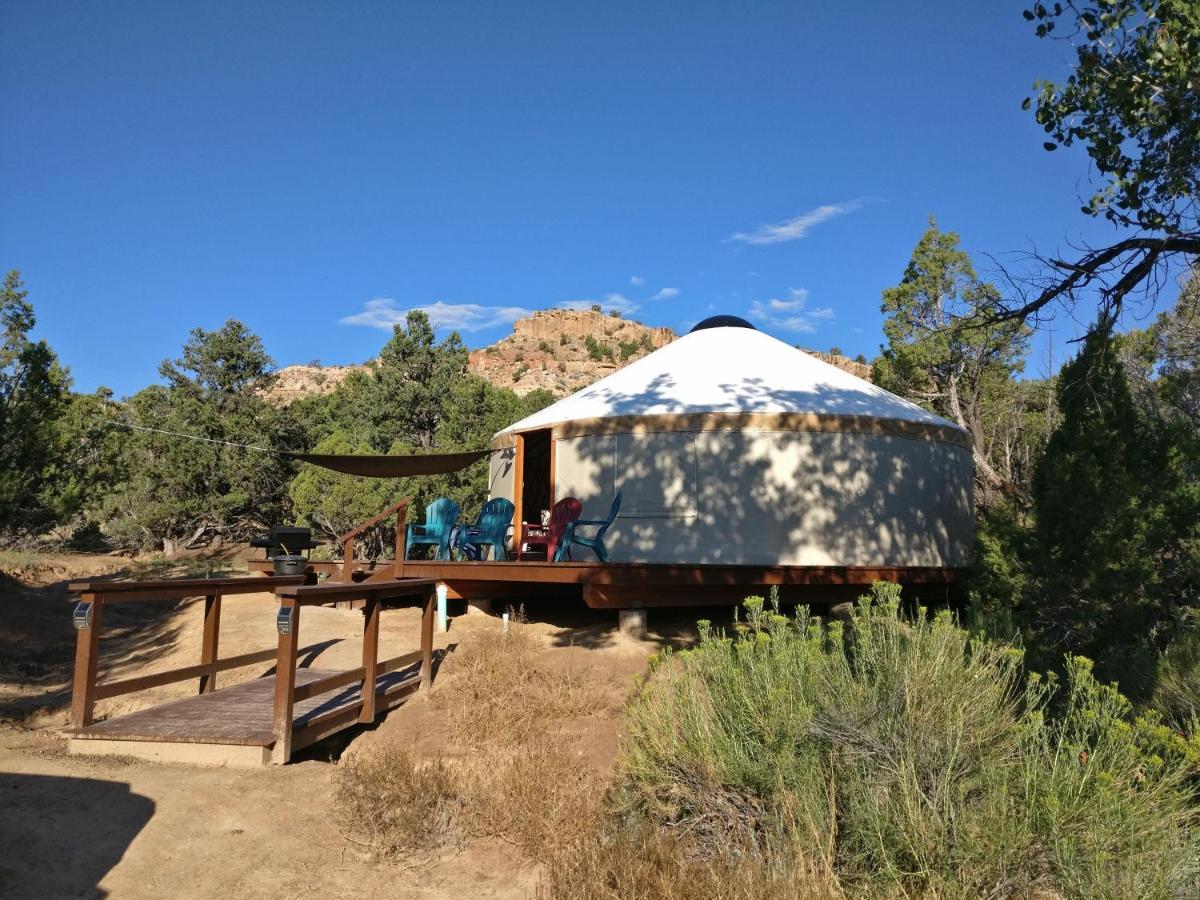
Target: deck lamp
(81,618)
(285,619)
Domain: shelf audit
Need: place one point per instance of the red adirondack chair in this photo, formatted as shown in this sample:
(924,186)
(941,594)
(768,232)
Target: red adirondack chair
(533,535)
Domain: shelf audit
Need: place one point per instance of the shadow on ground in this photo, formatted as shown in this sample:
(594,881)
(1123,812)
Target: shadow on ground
(60,836)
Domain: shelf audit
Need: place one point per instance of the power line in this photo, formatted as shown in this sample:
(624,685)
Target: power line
(194,437)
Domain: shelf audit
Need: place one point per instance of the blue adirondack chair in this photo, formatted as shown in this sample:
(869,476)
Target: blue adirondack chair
(490,529)
(595,543)
(440,516)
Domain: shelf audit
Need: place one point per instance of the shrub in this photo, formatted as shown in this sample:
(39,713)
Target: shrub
(563,340)
(594,348)
(915,759)
(545,347)
(628,349)
(1177,693)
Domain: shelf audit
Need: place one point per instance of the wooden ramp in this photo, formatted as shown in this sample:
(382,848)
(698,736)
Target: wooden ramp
(234,726)
(257,721)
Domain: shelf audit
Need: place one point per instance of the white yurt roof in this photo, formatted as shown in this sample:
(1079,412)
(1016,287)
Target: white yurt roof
(728,370)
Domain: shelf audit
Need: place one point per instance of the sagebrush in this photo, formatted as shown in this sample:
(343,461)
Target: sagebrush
(905,757)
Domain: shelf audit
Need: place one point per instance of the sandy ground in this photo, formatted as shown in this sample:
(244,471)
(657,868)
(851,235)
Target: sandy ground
(75,826)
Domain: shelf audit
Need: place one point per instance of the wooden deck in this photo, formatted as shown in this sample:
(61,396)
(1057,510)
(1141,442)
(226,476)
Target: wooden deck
(644,585)
(234,725)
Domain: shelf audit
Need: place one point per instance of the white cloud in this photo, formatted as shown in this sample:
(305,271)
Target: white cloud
(666,293)
(619,302)
(795,228)
(384,313)
(637,280)
(791,313)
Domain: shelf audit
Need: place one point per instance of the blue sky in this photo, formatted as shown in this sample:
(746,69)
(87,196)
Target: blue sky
(315,169)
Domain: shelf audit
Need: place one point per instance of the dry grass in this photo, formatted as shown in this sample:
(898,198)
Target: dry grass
(399,809)
(497,691)
(525,783)
(651,867)
(541,798)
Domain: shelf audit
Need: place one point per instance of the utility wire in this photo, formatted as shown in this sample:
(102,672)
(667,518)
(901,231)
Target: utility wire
(195,437)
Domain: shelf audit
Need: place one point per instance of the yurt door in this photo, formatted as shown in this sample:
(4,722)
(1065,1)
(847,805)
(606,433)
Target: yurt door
(534,475)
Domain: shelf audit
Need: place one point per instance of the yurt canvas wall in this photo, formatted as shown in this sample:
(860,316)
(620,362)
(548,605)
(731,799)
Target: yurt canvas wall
(731,447)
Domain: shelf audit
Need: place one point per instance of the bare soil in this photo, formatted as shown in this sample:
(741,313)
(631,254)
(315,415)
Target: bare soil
(77,826)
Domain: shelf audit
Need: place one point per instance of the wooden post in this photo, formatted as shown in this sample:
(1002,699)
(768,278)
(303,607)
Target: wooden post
(87,657)
(370,656)
(401,542)
(348,559)
(208,650)
(427,640)
(519,486)
(285,681)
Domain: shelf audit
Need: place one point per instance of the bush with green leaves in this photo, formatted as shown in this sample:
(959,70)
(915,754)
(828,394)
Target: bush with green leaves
(33,393)
(904,757)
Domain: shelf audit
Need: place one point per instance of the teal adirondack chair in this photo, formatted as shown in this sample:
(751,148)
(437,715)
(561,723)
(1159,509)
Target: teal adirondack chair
(440,516)
(595,543)
(490,529)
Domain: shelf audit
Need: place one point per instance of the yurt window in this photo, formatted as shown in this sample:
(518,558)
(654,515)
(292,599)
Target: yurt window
(656,474)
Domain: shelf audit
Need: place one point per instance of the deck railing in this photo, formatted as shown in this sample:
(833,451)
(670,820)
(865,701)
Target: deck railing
(292,595)
(400,511)
(95,596)
(288,694)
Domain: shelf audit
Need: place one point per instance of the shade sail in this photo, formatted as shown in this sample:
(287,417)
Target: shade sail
(393,466)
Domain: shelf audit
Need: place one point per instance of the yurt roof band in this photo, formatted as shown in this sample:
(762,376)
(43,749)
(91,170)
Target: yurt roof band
(823,423)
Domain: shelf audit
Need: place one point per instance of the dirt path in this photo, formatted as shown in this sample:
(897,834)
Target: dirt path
(74,826)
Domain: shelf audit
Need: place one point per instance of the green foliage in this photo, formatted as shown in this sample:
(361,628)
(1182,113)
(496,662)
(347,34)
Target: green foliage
(1002,579)
(402,399)
(380,411)
(1133,100)
(333,503)
(596,308)
(33,391)
(563,340)
(1177,692)
(1117,508)
(88,464)
(628,349)
(178,490)
(537,399)
(595,349)
(908,759)
(1163,361)
(835,351)
(545,347)
(944,348)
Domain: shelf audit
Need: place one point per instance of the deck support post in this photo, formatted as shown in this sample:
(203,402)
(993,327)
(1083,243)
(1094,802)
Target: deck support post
(370,657)
(87,657)
(288,625)
(208,649)
(631,623)
(427,640)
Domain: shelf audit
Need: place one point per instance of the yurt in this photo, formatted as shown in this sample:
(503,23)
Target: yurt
(731,447)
